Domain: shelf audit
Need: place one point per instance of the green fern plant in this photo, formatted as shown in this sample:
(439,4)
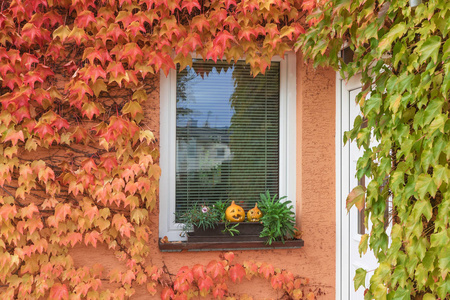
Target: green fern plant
(278,218)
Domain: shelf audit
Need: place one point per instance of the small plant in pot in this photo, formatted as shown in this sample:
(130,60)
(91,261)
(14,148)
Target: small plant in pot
(277,218)
(206,217)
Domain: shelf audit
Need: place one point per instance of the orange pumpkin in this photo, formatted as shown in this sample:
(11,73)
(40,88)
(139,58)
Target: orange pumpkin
(235,213)
(254,214)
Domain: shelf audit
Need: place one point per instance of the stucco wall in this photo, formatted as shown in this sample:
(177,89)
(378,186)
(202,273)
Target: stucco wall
(315,199)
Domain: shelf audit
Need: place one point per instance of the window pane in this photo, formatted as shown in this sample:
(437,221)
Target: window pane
(227,134)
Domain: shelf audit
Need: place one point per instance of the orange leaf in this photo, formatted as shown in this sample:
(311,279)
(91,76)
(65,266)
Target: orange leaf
(237,272)
(277,281)
(229,256)
(29,210)
(215,268)
(266,270)
(167,293)
(205,284)
(199,22)
(220,290)
(128,277)
(198,271)
(7,211)
(59,291)
(190,4)
(92,238)
(14,136)
(61,211)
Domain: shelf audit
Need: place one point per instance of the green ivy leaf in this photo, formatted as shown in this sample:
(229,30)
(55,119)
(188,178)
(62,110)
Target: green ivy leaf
(439,239)
(422,207)
(402,294)
(425,184)
(428,296)
(360,278)
(441,174)
(395,32)
(362,247)
(380,292)
(421,275)
(444,289)
(430,48)
(444,261)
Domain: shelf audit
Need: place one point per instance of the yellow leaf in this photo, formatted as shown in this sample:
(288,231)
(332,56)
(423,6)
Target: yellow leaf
(62,32)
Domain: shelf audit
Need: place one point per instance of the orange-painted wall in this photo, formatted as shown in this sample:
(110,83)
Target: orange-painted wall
(315,199)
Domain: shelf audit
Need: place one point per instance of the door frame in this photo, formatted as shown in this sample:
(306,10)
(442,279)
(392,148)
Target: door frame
(343,276)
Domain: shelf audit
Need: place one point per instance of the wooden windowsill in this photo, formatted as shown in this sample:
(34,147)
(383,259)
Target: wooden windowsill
(219,246)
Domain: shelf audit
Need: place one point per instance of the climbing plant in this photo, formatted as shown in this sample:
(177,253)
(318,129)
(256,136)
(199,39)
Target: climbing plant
(402,54)
(78,160)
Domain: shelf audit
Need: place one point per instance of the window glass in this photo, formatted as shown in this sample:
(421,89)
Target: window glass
(227,134)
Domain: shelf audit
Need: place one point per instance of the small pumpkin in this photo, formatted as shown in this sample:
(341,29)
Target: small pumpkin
(235,213)
(254,214)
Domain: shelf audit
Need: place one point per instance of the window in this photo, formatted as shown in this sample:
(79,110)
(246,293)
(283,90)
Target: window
(225,135)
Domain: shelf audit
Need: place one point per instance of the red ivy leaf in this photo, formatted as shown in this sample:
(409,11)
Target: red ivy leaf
(115,68)
(7,211)
(167,294)
(108,162)
(205,284)
(32,77)
(223,38)
(220,290)
(31,32)
(94,72)
(266,270)
(186,274)
(83,19)
(58,292)
(89,164)
(128,277)
(200,22)
(61,211)
(228,3)
(229,256)
(198,271)
(190,4)
(28,60)
(29,210)
(114,33)
(215,268)
(60,123)
(237,272)
(5,68)
(14,136)
(277,281)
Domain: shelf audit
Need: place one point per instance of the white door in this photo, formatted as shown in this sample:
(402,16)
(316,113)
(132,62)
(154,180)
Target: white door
(349,226)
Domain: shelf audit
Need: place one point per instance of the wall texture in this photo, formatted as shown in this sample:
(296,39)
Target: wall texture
(315,199)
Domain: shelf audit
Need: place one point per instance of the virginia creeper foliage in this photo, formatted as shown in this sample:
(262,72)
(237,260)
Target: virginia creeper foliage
(78,162)
(403,57)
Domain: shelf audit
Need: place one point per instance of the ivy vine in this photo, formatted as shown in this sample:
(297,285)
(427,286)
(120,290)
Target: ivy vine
(78,160)
(402,54)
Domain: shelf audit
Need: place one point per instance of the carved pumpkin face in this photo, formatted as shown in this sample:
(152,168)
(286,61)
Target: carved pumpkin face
(235,213)
(254,214)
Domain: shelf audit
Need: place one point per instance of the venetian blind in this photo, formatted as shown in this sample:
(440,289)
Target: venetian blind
(227,134)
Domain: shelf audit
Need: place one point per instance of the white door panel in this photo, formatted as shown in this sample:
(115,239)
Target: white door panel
(348,235)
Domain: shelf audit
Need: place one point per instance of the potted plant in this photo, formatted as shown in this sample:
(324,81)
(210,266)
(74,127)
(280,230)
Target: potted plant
(278,218)
(203,223)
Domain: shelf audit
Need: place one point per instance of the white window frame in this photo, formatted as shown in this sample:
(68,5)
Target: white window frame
(287,157)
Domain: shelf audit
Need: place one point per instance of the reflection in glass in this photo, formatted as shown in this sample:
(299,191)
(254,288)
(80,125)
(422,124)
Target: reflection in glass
(227,134)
